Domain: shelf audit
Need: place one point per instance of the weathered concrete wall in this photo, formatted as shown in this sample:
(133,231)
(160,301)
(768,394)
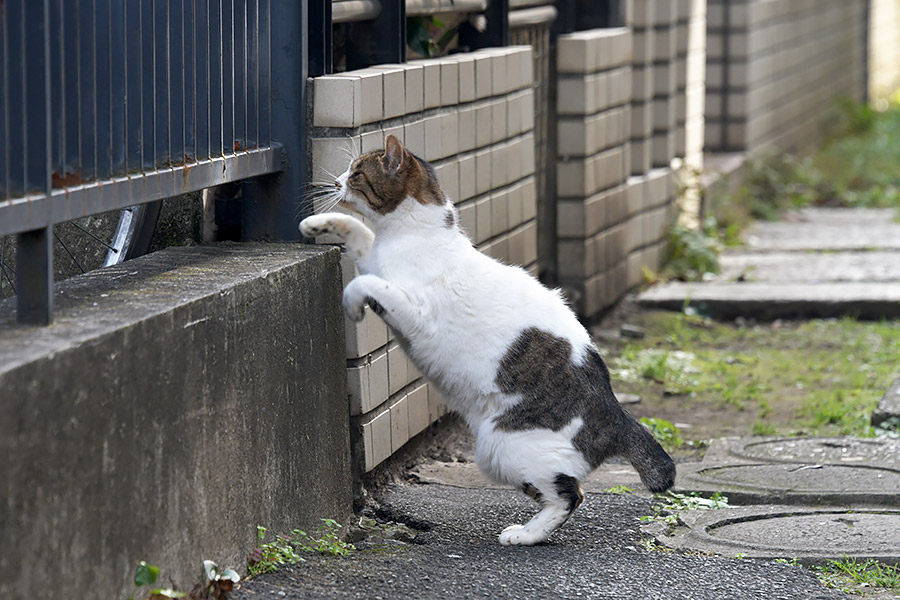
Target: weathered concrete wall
(884,48)
(176,402)
(471,116)
(776,67)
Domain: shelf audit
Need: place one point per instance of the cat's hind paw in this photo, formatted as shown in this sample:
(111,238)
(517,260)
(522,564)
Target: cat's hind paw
(516,535)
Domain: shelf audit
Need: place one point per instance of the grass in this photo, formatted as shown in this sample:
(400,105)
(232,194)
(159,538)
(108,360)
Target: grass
(856,166)
(851,575)
(821,377)
(287,550)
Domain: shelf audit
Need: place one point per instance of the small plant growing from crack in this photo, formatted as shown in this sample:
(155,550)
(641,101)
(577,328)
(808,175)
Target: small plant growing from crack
(673,503)
(289,549)
(214,584)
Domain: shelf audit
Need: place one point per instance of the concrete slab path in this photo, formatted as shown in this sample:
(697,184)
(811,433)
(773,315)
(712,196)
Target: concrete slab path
(822,263)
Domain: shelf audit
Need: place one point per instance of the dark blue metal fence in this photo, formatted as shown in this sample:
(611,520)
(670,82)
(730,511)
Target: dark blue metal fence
(110,103)
(106,104)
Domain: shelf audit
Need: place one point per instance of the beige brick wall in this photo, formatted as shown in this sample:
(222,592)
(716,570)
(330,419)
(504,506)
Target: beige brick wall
(776,67)
(472,117)
(884,48)
(609,225)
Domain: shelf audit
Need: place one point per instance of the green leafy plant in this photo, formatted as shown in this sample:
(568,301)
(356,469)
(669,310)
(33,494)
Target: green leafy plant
(672,503)
(429,36)
(146,575)
(619,489)
(664,431)
(692,253)
(288,550)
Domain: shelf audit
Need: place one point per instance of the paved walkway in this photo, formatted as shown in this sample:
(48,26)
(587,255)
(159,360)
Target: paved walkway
(823,263)
(812,499)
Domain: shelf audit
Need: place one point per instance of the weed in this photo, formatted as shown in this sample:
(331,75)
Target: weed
(692,254)
(869,573)
(763,428)
(288,550)
(673,503)
(214,584)
(619,489)
(146,575)
(664,431)
(856,167)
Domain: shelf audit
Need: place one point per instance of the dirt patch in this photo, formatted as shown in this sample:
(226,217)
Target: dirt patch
(714,379)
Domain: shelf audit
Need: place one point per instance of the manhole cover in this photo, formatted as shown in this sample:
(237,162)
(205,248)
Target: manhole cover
(822,450)
(799,483)
(812,535)
(838,532)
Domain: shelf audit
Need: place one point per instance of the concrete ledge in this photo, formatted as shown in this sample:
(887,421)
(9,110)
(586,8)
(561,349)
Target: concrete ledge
(768,301)
(177,401)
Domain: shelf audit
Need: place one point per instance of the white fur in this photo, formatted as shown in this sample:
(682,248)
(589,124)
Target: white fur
(457,312)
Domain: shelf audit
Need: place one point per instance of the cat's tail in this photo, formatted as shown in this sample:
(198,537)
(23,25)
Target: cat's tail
(653,464)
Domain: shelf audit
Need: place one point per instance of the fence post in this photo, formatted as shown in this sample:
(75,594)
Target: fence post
(34,249)
(496,32)
(270,204)
(380,41)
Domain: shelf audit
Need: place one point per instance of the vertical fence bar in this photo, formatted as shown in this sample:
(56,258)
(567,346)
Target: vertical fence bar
(320,43)
(161,125)
(148,81)
(215,64)
(270,203)
(34,255)
(202,75)
(87,92)
(117,83)
(190,81)
(228,87)
(175,69)
(252,73)
(15,34)
(4,107)
(265,68)
(239,41)
(69,91)
(57,108)
(496,32)
(133,92)
(102,88)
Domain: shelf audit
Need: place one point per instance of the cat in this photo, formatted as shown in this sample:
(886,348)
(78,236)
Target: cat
(506,353)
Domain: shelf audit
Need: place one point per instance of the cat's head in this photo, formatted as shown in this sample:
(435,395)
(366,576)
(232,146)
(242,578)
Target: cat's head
(379,182)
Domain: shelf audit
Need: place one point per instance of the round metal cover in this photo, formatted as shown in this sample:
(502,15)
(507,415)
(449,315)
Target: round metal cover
(823,450)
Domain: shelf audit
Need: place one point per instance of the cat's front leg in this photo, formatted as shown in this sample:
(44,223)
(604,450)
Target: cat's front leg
(356,236)
(389,301)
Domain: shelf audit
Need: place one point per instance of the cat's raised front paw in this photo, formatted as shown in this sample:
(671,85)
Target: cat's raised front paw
(315,225)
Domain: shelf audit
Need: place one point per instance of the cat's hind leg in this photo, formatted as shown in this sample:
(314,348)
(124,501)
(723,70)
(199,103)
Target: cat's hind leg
(356,236)
(558,500)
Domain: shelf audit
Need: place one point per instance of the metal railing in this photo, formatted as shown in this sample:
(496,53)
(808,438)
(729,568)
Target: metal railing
(110,104)
(105,105)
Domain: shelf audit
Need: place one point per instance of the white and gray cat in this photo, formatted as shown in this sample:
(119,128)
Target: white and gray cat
(505,352)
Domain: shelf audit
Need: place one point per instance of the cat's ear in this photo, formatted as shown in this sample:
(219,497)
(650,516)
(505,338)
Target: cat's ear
(393,154)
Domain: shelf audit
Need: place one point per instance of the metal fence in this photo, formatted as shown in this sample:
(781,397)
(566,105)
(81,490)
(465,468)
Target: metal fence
(113,103)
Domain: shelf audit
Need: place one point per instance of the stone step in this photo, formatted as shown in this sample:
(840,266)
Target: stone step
(766,301)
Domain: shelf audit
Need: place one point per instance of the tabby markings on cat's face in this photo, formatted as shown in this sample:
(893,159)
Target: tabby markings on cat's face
(380,181)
